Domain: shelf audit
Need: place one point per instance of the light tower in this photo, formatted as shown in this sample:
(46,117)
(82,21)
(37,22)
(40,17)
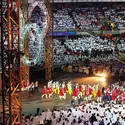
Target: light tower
(11,68)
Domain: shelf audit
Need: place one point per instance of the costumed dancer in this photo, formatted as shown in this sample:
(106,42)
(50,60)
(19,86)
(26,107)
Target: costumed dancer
(75,92)
(86,93)
(114,95)
(64,89)
(49,83)
(36,86)
(54,87)
(99,98)
(28,86)
(90,93)
(61,93)
(117,91)
(69,87)
(50,90)
(94,91)
(83,90)
(31,88)
(44,92)
(80,91)
(57,87)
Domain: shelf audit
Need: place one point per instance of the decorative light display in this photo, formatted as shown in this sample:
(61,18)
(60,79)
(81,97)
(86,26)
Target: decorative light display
(37,31)
(44,22)
(35,36)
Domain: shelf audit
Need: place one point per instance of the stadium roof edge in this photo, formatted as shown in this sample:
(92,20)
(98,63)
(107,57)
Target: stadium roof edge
(64,1)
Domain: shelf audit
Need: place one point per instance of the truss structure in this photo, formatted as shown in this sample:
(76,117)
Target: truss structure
(25,68)
(11,69)
(49,44)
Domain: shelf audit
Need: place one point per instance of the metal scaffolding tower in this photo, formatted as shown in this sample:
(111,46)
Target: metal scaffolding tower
(25,68)
(49,43)
(11,69)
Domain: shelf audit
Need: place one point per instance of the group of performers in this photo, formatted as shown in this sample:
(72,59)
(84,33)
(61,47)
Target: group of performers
(30,87)
(113,93)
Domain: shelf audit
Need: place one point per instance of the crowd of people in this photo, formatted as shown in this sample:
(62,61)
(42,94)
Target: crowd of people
(93,114)
(72,50)
(84,17)
(81,17)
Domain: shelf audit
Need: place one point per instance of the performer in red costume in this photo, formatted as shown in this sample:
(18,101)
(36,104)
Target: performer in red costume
(90,93)
(50,91)
(80,91)
(44,92)
(61,93)
(87,92)
(75,92)
(117,91)
(114,95)
(99,96)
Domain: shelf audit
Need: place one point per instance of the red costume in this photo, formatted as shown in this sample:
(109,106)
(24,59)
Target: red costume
(80,88)
(50,91)
(114,95)
(90,91)
(99,93)
(44,91)
(117,91)
(87,91)
(61,92)
(75,92)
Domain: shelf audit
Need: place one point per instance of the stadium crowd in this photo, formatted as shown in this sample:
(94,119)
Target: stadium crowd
(72,50)
(93,114)
(83,17)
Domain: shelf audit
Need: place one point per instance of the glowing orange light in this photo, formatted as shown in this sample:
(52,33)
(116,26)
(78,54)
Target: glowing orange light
(101,74)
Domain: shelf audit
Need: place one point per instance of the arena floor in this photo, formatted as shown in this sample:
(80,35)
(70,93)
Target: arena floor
(31,103)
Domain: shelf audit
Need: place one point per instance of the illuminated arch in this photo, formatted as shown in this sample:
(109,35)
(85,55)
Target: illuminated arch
(40,33)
